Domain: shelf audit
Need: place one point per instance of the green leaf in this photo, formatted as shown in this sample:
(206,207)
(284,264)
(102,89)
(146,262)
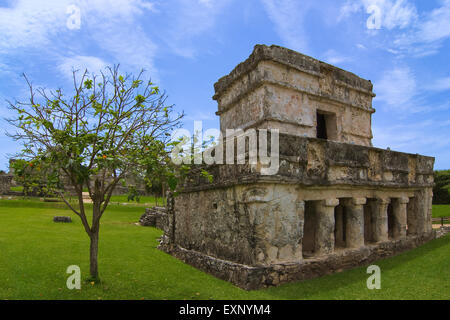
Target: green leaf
(172,182)
(88,84)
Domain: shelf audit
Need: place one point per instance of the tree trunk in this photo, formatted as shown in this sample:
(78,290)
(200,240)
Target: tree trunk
(95,228)
(94,255)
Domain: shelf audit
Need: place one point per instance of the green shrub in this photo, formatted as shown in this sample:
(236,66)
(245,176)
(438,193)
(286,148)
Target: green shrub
(441,190)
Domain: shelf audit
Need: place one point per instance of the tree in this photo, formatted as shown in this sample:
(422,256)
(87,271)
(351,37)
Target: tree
(110,126)
(441,189)
(32,176)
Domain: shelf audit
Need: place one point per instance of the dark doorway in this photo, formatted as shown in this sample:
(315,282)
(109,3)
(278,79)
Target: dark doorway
(309,231)
(340,221)
(368,226)
(321,126)
(391,221)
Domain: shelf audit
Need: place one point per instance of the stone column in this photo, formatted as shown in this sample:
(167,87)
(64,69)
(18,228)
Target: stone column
(399,210)
(354,233)
(422,211)
(411,219)
(380,219)
(297,246)
(429,210)
(324,235)
(277,227)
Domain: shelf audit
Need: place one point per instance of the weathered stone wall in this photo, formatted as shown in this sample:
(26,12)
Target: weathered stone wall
(280,88)
(154,217)
(5,183)
(317,162)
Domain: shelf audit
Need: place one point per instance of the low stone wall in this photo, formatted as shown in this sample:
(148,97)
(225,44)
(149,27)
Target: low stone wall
(119,191)
(442,231)
(253,278)
(154,217)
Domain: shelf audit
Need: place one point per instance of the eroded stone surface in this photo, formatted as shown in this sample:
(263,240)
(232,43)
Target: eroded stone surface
(5,183)
(280,88)
(154,217)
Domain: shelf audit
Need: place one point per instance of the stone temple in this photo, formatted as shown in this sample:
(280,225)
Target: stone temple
(336,202)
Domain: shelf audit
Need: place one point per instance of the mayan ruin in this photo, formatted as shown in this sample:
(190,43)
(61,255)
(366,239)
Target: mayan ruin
(336,202)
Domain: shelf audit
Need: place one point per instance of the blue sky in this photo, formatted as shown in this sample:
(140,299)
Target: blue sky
(187,45)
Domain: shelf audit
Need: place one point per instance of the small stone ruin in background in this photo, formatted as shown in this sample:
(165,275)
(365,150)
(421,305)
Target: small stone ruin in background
(62,219)
(154,217)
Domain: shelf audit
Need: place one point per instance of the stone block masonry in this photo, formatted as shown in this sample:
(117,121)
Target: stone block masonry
(335,202)
(154,217)
(5,183)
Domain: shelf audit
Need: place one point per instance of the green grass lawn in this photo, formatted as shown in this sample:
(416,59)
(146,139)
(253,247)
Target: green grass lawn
(35,253)
(441,210)
(116,202)
(142,200)
(17,189)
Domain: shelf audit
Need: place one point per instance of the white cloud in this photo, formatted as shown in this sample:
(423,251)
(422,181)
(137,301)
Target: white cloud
(397,88)
(349,8)
(109,25)
(429,33)
(206,2)
(412,34)
(361,46)
(393,13)
(400,14)
(81,63)
(201,116)
(428,135)
(437,24)
(30,23)
(191,19)
(442,84)
(333,57)
(288,17)
(409,34)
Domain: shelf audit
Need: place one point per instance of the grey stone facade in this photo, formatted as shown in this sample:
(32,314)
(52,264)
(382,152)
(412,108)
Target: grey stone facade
(335,202)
